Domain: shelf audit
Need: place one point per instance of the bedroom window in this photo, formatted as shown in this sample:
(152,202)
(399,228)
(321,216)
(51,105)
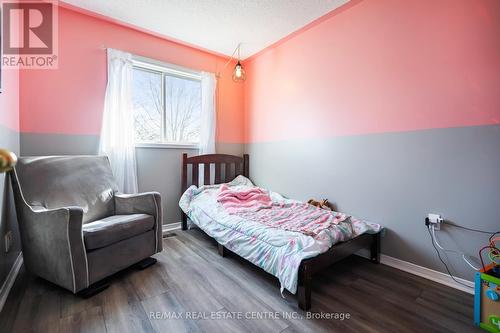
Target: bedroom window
(167,105)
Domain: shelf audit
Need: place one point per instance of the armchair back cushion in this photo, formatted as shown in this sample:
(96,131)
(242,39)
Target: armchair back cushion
(60,181)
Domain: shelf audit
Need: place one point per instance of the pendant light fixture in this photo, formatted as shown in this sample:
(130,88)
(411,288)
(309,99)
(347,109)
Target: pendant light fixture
(239,74)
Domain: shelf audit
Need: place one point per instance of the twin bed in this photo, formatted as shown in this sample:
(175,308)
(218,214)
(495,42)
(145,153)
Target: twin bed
(293,257)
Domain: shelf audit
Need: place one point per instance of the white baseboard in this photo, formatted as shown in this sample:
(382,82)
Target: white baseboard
(171,227)
(424,272)
(10,279)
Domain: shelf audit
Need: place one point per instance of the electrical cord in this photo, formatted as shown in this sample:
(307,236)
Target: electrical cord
(468,263)
(442,261)
(492,233)
(237,49)
(435,240)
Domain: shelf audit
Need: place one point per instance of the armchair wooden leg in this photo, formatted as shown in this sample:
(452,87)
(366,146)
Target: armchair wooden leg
(94,289)
(375,249)
(145,263)
(304,288)
(221,249)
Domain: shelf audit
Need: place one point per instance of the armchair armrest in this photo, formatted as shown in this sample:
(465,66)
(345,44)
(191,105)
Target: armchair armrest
(142,203)
(52,242)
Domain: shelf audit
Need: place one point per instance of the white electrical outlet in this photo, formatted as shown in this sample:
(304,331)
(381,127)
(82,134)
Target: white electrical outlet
(435,220)
(8,240)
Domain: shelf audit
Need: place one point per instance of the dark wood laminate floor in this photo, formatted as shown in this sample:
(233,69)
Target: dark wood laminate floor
(190,276)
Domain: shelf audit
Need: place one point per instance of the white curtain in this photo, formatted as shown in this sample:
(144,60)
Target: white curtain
(208,117)
(117,133)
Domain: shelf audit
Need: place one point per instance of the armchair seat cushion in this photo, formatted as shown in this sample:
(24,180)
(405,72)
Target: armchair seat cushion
(113,229)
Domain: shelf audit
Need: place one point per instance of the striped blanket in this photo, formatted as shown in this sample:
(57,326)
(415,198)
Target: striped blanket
(255,204)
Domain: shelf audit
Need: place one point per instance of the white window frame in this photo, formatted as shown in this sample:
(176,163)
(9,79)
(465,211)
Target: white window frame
(164,69)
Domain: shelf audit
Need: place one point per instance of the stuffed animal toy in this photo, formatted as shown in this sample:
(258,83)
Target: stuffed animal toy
(323,204)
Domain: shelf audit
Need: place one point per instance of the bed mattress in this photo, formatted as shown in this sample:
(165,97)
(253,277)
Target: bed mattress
(279,252)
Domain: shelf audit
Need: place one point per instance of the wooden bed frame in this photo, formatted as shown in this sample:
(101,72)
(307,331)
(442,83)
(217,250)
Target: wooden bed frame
(227,167)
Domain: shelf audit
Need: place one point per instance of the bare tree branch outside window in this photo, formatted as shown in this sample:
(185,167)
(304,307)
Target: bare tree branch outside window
(178,121)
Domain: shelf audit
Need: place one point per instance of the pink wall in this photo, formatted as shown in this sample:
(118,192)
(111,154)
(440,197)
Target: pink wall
(70,100)
(9,99)
(369,67)
(379,66)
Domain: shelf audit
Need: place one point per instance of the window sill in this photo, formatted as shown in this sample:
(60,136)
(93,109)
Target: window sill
(167,145)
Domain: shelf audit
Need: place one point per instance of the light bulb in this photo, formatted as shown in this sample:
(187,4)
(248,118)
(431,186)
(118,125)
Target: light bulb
(239,74)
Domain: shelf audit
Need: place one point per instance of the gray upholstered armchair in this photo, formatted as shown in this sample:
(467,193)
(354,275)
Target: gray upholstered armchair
(76,229)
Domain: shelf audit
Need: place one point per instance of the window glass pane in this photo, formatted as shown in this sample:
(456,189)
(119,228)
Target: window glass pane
(183,108)
(148,106)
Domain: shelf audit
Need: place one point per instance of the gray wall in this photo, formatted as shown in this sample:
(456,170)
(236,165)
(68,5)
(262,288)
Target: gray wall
(396,179)
(9,139)
(393,178)
(158,169)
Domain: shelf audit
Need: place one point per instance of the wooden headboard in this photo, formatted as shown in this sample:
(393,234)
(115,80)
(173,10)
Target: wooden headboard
(226,168)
